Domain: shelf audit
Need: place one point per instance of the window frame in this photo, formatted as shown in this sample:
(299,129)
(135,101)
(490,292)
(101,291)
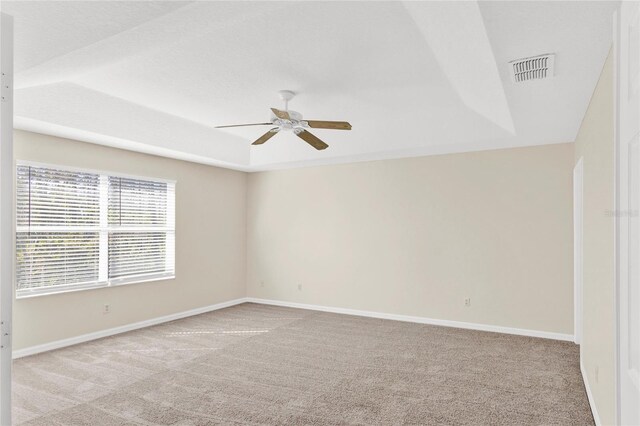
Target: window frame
(103,229)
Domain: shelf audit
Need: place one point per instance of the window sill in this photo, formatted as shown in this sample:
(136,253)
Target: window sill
(27,294)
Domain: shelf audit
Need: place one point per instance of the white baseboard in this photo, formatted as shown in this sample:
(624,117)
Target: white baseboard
(420,320)
(592,404)
(32,350)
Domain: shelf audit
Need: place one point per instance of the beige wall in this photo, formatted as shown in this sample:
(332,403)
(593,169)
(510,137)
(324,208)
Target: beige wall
(210,245)
(595,144)
(417,236)
(412,236)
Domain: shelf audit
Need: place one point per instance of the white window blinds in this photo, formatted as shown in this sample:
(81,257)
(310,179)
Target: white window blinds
(141,234)
(83,230)
(58,218)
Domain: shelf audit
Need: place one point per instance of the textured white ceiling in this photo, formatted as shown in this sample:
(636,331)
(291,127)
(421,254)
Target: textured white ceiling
(413,78)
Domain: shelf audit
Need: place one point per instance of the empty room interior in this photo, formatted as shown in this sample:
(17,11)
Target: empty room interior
(320,213)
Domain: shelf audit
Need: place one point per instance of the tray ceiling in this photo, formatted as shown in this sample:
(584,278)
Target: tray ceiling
(413,78)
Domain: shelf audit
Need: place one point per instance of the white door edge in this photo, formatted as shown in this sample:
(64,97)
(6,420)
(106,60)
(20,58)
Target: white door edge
(6,214)
(578,203)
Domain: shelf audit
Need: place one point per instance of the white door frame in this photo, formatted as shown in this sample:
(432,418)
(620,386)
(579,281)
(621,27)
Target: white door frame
(627,223)
(578,208)
(7,246)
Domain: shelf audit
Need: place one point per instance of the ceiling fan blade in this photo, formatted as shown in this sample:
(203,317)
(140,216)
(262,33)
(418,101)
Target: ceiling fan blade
(312,140)
(283,115)
(262,139)
(335,125)
(242,125)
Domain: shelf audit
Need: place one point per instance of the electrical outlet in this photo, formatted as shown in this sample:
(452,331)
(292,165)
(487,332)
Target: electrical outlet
(261,283)
(299,287)
(467,302)
(106,309)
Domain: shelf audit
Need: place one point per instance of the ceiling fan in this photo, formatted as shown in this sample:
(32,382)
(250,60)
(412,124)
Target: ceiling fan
(292,121)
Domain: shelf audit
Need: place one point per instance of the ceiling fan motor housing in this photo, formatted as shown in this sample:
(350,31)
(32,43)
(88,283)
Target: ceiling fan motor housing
(295,123)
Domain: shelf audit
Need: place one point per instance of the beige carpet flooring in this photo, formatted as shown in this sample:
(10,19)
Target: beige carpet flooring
(256,364)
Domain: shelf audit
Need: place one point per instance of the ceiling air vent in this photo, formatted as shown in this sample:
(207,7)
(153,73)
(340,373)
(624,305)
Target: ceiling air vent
(533,68)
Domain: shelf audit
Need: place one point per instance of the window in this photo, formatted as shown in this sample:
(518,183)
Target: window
(78,229)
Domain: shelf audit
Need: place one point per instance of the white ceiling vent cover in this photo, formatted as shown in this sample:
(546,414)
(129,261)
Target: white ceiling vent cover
(533,68)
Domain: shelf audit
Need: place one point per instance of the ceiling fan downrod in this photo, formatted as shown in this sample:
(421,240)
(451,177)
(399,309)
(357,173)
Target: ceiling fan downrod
(286,96)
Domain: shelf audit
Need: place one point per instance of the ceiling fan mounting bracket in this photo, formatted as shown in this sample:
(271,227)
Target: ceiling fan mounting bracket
(286,95)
